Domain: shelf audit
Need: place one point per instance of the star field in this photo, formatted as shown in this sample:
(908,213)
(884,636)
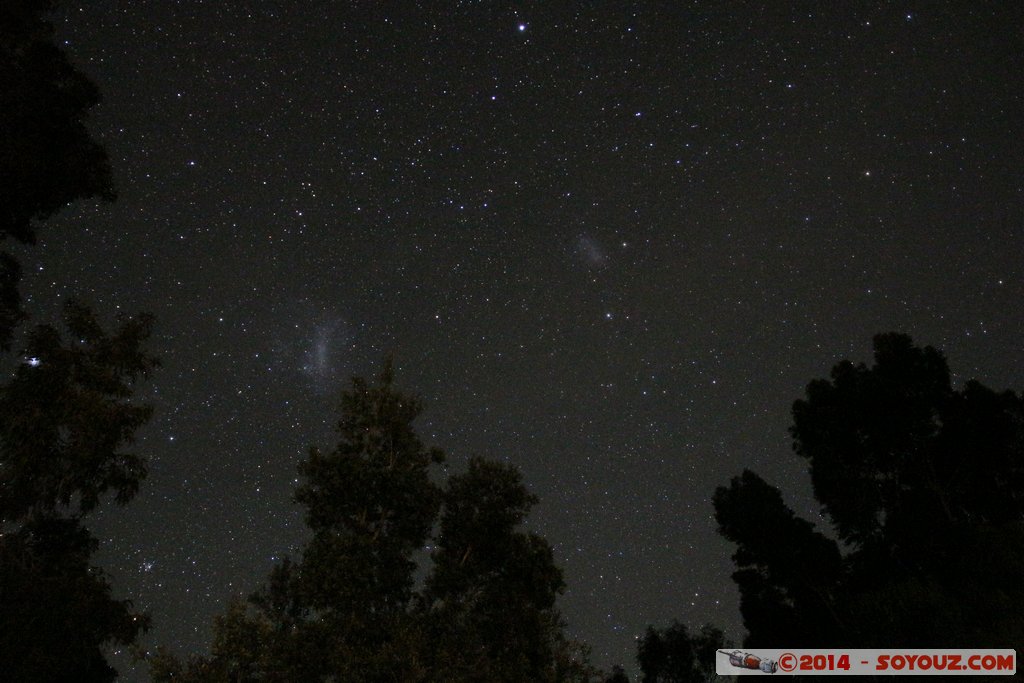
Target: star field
(609,243)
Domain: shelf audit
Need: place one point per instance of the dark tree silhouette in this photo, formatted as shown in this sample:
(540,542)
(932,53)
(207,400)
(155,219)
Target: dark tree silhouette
(617,675)
(56,611)
(491,595)
(49,159)
(66,413)
(370,504)
(673,655)
(924,487)
(65,417)
(786,568)
(349,610)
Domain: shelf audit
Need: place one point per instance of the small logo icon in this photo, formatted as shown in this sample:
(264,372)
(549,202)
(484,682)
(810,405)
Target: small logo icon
(745,660)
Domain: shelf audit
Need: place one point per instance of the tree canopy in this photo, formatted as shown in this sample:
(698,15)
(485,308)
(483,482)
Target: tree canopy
(66,417)
(923,488)
(674,655)
(351,608)
(67,414)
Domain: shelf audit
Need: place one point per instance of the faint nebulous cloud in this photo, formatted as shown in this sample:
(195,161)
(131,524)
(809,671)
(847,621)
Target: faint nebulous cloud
(589,250)
(323,352)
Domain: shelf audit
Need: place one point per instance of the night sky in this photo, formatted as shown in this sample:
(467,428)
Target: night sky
(609,243)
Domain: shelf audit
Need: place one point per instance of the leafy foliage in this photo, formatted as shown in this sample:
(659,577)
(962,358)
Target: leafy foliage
(370,504)
(64,418)
(923,485)
(492,593)
(349,610)
(67,413)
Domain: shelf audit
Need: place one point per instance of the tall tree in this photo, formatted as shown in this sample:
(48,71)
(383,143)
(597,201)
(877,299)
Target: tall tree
(491,596)
(923,485)
(66,413)
(349,608)
(785,568)
(371,505)
(343,611)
